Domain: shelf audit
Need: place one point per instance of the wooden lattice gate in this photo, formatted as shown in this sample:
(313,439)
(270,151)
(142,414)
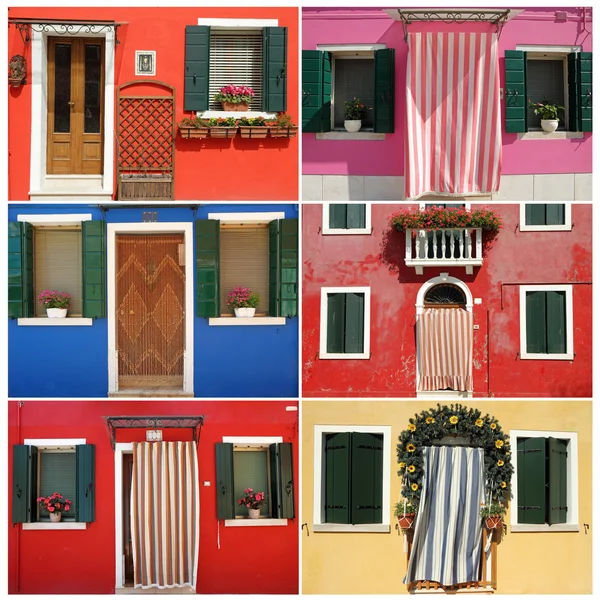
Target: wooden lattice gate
(145,141)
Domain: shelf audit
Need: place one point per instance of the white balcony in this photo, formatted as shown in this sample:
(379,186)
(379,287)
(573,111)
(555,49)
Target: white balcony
(461,247)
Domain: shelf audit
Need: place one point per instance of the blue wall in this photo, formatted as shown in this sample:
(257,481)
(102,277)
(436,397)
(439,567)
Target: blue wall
(229,362)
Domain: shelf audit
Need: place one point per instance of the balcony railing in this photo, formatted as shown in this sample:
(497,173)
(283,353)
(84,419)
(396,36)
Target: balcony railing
(444,248)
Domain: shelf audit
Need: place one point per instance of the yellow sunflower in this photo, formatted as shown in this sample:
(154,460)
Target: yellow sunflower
(412,469)
(493,426)
(410,447)
(453,420)
(429,420)
(479,423)
(500,463)
(401,465)
(412,427)
(499,443)
(503,484)
(414,487)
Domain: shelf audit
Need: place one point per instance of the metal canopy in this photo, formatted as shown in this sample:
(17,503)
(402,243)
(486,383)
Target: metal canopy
(170,422)
(496,17)
(63,27)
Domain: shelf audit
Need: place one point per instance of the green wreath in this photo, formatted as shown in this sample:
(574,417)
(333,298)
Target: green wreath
(481,432)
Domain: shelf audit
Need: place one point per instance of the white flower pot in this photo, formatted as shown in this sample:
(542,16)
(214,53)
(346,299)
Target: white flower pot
(549,125)
(55,516)
(56,313)
(254,513)
(353,126)
(244,312)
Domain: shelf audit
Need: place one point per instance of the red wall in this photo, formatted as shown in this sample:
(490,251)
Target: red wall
(204,169)
(377,260)
(90,554)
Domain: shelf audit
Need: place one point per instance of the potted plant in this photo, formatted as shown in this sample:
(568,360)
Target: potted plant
(234,97)
(492,514)
(193,127)
(243,301)
(437,217)
(55,303)
(548,113)
(282,127)
(354,112)
(405,511)
(253,501)
(223,127)
(253,127)
(55,504)
(18,70)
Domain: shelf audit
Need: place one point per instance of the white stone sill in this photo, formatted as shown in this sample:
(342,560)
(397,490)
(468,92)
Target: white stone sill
(365,136)
(343,528)
(528,528)
(246,321)
(346,232)
(45,321)
(363,356)
(48,525)
(547,357)
(547,135)
(262,522)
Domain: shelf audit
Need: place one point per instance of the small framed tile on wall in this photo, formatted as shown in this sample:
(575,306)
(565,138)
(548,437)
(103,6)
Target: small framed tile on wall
(145,62)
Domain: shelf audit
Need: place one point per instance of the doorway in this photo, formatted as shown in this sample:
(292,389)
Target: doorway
(150,315)
(75,106)
(127,543)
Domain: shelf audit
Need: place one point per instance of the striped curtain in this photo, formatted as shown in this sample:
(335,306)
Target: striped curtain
(453,141)
(445,349)
(165,514)
(447,542)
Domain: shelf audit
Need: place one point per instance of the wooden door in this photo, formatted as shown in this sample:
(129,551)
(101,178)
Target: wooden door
(75,106)
(150,312)
(127,544)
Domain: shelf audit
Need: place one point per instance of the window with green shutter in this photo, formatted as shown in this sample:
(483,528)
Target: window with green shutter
(259,465)
(546,322)
(550,77)
(542,480)
(352,218)
(40,471)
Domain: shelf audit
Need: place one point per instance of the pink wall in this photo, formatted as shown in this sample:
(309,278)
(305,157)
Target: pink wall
(37,566)
(514,257)
(370,26)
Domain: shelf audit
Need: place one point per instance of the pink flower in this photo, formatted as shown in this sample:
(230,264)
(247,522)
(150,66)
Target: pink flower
(51,509)
(67,507)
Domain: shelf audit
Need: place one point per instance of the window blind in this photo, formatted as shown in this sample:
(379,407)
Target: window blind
(250,470)
(245,263)
(57,474)
(236,58)
(57,265)
(545,83)
(353,78)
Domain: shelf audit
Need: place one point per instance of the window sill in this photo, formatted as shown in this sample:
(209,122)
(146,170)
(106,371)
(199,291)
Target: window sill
(48,525)
(45,321)
(530,528)
(554,135)
(343,528)
(346,232)
(345,135)
(448,394)
(568,356)
(249,114)
(362,356)
(246,321)
(262,522)
(566,227)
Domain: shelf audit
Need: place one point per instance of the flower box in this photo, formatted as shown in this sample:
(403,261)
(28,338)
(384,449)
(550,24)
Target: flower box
(283,132)
(193,132)
(223,132)
(235,106)
(247,131)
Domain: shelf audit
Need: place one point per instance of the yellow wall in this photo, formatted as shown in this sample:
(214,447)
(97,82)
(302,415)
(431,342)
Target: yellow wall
(372,563)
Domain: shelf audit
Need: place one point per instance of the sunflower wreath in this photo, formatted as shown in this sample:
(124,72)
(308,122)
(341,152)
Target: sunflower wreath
(455,420)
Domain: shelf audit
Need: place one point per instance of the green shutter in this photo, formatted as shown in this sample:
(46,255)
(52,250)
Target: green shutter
(367,478)
(515,91)
(557,485)
(21,301)
(316,91)
(531,480)
(197,67)
(555,214)
(207,268)
(274,273)
(288,267)
(356,216)
(275,69)
(94,268)
(337,477)
(354,323)
(573,77)
(535,214)
(383,117)
(336,309)
(535,318)
(338,216)
(585,90)
(556,322)
(286,479)
(24,493)
(86,483)
(224,487)
(275,491)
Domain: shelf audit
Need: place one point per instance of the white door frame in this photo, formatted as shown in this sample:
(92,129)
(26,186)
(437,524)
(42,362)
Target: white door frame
(120,450)
(187,229)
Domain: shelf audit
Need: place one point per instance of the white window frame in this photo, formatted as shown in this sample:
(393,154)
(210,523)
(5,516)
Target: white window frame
(319,525)
(327,230)
(572,523)
(348,51)
(53,221)
(566,227)
(250,218)
(253,442)
(568,289)
(60,444)
(241,25)
(366,353)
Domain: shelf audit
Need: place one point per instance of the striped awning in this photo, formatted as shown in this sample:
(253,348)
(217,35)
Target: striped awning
(445,349)
(165,514)
(453,140)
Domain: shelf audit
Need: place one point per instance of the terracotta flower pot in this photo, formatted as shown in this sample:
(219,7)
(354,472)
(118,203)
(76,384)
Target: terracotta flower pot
(493,522)
(238,107)
(406,521)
